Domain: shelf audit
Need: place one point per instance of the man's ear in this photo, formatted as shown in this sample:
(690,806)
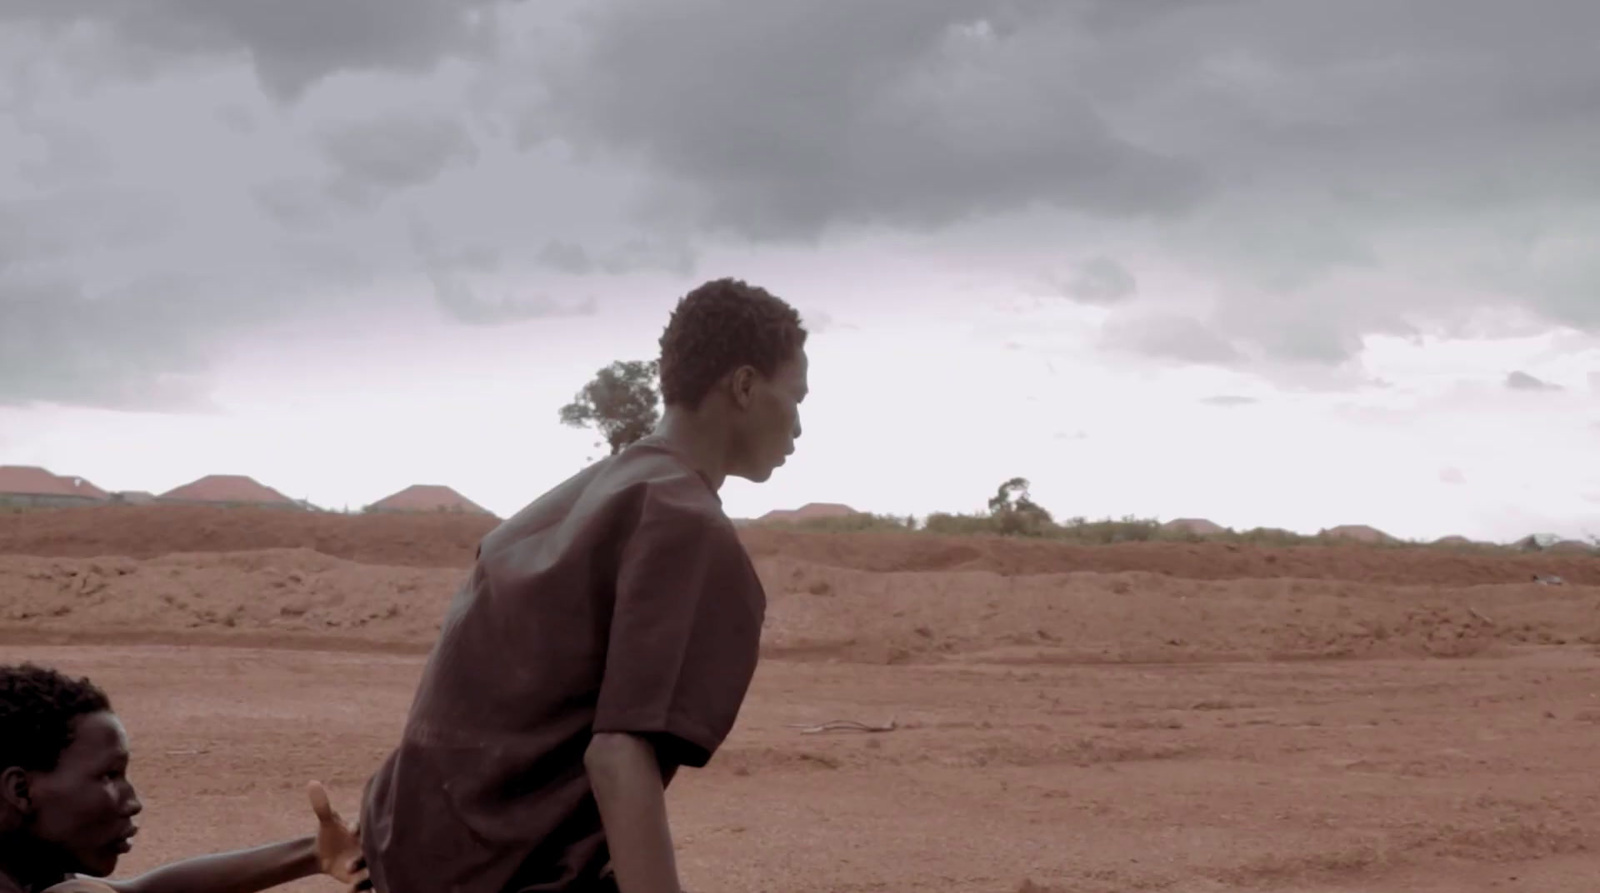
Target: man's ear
(14,789)
(742,384)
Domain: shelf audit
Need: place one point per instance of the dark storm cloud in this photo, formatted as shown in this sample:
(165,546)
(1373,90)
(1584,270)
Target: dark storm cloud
(1289,151)
(1171,338)
(1522,381)
(54,226)
(453,271)
(292,44)
(375,157)
(781,120)
(131,348)
(633,256)
(1317,172)
(291,203)
(66,337)
(1099,280)
(463,302)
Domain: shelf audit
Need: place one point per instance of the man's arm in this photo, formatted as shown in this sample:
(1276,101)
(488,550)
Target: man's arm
(626,778)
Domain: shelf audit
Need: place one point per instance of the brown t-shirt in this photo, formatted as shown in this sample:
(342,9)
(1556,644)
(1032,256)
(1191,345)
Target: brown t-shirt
(620,601)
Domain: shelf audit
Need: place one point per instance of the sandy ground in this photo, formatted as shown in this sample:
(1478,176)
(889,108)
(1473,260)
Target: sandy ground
(1345,725)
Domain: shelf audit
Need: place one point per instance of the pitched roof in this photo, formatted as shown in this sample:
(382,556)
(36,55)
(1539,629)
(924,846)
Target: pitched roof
(1360,533)
(30,480)
(83,488)
(231,488)
(808,512)
(1576,547)
(428,498)
(1195,526)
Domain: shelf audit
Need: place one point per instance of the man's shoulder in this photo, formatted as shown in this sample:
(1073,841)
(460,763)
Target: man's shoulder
(644,481)
(654,480)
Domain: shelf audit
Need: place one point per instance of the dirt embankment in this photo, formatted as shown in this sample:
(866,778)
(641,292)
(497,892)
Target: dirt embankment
(301,598)
(448,541)
(420,540)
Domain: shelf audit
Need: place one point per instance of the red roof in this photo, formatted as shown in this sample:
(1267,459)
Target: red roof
(1360,533)
(1195,526)
(31,480)
(428,498)
(808,512)
(230,488)
(83,488)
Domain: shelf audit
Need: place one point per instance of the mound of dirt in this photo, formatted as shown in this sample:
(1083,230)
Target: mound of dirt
(1358,533)
(812,511)
(301,598)
(1194,527)
(412,540)
(448,540)
(895,552)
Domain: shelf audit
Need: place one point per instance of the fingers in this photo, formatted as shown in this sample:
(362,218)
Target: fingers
(360,877)
(319,802)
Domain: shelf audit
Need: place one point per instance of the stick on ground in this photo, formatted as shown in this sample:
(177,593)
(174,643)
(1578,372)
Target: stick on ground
(843,725)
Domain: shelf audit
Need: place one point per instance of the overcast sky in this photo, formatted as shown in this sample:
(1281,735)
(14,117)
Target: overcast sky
(1272,262)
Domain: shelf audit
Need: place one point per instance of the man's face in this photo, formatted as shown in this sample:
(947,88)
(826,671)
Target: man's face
(773,418)
(81,812)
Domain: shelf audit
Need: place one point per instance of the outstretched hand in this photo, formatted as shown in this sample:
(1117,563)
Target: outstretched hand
(338,844)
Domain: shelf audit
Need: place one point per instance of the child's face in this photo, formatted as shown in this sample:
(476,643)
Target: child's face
(82,810)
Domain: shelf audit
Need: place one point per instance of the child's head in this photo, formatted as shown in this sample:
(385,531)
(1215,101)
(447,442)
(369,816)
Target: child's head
(64,787)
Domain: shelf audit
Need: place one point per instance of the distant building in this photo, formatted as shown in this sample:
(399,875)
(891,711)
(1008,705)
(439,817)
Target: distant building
(28,486)
(1194,527)
(133,497)
(422,498)
(228,490)
(1537,542)
(1358,533)
(814,511)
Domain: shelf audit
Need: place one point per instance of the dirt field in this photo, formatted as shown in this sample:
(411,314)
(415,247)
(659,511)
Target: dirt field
(1182,718)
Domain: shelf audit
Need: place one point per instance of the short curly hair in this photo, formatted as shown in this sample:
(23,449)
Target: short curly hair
(37,708)
(718,327)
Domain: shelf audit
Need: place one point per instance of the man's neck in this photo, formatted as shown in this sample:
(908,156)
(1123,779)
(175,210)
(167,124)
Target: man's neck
(18,874)
(699,440)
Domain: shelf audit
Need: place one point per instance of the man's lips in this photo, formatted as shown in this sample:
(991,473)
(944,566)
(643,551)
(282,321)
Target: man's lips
(124,841)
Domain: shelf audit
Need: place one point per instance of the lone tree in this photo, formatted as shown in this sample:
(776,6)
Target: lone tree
(622,402)
(1014,512)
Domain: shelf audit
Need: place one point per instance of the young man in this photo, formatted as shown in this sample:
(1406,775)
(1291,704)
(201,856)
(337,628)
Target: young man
(67,807)
(606,637)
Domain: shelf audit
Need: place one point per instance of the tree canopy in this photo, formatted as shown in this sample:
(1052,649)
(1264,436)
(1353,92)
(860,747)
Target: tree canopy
(622,402)
(1013,510)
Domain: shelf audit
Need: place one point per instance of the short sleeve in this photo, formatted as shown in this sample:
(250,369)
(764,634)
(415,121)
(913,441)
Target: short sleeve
(685,631)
